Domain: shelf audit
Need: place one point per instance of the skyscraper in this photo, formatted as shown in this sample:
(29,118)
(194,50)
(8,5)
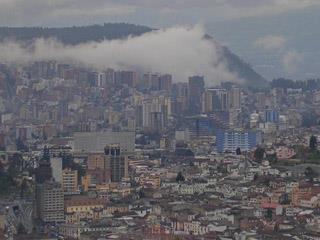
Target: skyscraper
(56,167)
(99,168)
(70,181)
(50,202)
(234,98)
(43,172)
(118,162)
(214,99)
(156,111)
(196,88)
(271,116)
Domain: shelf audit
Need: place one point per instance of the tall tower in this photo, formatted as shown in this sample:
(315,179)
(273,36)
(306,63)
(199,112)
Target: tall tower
(196,88)
(118,162)
(50,202)
(234,98)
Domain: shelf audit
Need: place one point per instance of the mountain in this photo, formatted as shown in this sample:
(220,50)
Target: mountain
(243,69)
(111,31)
(75,35)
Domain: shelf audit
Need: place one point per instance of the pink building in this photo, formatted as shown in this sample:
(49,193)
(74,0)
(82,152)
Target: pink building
(285,153)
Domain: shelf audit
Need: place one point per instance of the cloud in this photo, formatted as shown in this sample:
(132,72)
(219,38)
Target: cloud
(180,51)
(271,42)
(291,61)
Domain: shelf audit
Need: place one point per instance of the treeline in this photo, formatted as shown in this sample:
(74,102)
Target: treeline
(310,84)
(74,35)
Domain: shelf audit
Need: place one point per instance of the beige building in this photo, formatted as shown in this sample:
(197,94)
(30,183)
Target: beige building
(70,181)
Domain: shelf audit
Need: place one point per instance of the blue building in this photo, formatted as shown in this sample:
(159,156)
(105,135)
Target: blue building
(271,116)
(229,140)
(200,126)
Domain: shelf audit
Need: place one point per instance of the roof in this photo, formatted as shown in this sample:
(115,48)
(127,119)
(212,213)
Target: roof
(270,205)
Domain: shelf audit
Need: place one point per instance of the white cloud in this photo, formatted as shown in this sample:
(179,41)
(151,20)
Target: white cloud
(271,42)
(291,61)
(180,51)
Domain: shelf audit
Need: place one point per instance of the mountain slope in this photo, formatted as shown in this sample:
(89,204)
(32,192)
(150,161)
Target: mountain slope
(75,35)
(111,31)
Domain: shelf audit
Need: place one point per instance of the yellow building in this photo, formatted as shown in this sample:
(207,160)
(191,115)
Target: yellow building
(78,208)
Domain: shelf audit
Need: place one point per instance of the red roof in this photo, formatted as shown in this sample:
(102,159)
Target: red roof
(269,205)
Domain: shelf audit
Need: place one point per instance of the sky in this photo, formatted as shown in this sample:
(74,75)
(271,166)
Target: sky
(279,38)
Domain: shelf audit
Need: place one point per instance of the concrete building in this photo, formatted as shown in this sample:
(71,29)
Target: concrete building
(56,166)
(231,140)
(156,111)
(50,202)
(271,116)
(234,98)
(70,181)
(98,166)
(195,91)
(96,141)
(214,99)
(118,162)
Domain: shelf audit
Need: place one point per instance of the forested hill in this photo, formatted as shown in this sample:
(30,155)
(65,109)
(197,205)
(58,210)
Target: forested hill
(74,35)
(111,31)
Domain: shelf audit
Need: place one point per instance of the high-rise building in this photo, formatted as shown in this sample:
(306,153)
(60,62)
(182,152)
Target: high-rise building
(229,141)
(271,116)
(234,98)
(43,172)
(50,202)
(200,126)
(151,80)
(110,76)
(156,111)
(196,89)
(70,181)
(98,168)
(97,79)
(214,99)
(118,162)
(56,166)
(129,78)
(180,95)
(165,82)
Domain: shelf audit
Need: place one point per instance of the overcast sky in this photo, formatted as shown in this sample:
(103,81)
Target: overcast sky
(156,12)
(278,37)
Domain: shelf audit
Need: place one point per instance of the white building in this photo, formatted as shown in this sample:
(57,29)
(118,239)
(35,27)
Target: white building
(96,141)
(56,166)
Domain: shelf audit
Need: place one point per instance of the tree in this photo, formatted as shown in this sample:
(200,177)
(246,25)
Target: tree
(238,151)
(23,188)
(259,154)
(21,230)
(313,142)
(180,177)
(269,213)
(310,173)
(141,193)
